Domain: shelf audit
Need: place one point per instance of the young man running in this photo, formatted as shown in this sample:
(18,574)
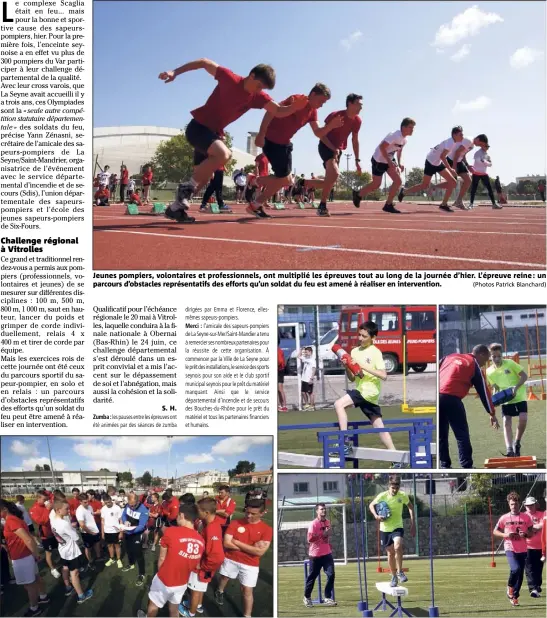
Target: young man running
(383,161)
(320,553)
(502,374)
(181,548)
(334,143)
(457,374)
(211,560)
(391,527)
(514,528)
(233,96)
(245,542)
(437,162)
(275,134)
(111,524)
(366,393)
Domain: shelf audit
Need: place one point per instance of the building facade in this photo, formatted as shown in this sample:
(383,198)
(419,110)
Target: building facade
(30,481)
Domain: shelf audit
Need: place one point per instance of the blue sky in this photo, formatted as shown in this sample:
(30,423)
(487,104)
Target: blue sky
(481,65)
(138,453)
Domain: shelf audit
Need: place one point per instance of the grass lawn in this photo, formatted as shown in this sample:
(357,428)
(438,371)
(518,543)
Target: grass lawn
(488,442)
(463,587)
(305,440)
(115,593)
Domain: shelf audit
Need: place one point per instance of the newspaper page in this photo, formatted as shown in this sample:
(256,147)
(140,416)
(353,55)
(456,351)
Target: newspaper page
(273,308)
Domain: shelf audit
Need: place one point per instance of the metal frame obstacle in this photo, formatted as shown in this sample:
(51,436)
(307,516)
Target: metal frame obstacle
(357,494)
(405,407)
(319,600)
(422,445)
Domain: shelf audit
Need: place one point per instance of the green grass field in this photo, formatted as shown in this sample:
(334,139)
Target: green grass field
(305,441)
(115,593)
(488,442)
(463,587)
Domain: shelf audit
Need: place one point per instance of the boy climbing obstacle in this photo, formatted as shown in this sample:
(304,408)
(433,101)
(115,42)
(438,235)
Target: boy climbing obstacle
(366,393)
(233,96)
(387,508)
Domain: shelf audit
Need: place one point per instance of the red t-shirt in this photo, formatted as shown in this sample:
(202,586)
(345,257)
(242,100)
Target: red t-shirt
(280,360)
(135,199)
(228,505)
(249,534)
(185,547)
(262,164)
(281,130)
(147,178)
(213,556)
(228,102)
(171,509)
(40,514)
(16,547)
(153,508)
(125,177)
(96,505)
(251,180)
(339,137)
(74,503)
(102,192)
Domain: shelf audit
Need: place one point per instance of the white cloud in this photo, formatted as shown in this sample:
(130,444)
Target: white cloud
(236,445)
(350,40)
(19,447)
(198,459)
(466,24)
(461,53)
(126,447)
(32,462)
(477,104)
(523,57)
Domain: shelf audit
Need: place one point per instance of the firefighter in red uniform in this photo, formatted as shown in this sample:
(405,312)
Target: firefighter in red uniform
(457,374)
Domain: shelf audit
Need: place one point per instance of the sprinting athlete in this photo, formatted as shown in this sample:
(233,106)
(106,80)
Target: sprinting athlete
(335,142)
(233,96)
(502,374)
(275,137)
(383,161)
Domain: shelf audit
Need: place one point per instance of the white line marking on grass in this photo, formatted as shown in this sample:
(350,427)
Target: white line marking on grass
(424,256)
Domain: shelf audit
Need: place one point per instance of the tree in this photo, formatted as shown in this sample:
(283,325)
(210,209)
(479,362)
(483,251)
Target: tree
(47,468)
(173,160)
(414,176)
(146,479)
(156,481)
(249,169)
(38,468)
(242,467)
(526,187)
(125,477)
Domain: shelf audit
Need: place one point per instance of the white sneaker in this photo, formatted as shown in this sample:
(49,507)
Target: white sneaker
(497,207)
(330,602)
(459,204)
(55,573)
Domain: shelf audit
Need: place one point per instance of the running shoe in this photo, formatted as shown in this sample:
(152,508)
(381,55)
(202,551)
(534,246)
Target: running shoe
(510,453)
(199,608)
(514,601)
(497,207)
(402,577)
(323,212)
(219,597)
(393,583)
(534,593)
(224,208)
(68,591)
(445,207)
(307,602)
(85,597)
(33,612)
(184,193)
(129,567)
(203,208)
(516,447)
(140,580)
(109,562)
(330,602)
(471,205)
(391,208)
(401,195)
(356,198)
(183,611)
(120,564)
(44,601)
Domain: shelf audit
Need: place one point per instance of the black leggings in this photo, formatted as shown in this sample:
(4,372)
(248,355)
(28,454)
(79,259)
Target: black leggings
(214,186)
(486,182)
(133,547)
(123,191)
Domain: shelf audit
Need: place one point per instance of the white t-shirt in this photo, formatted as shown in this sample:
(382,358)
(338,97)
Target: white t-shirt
(111,517)
(434,155)
(85,514)
(52,516)
(482,162)
(308,369)
(104,178)
(67,538)
(466,143)
(131,185)
(26,516)
(241,180)
(396,142)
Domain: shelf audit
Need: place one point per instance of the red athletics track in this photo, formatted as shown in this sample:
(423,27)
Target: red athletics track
(423,238)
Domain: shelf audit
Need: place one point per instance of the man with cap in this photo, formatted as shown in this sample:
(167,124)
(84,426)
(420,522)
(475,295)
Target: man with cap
(457,374)
(534,564)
